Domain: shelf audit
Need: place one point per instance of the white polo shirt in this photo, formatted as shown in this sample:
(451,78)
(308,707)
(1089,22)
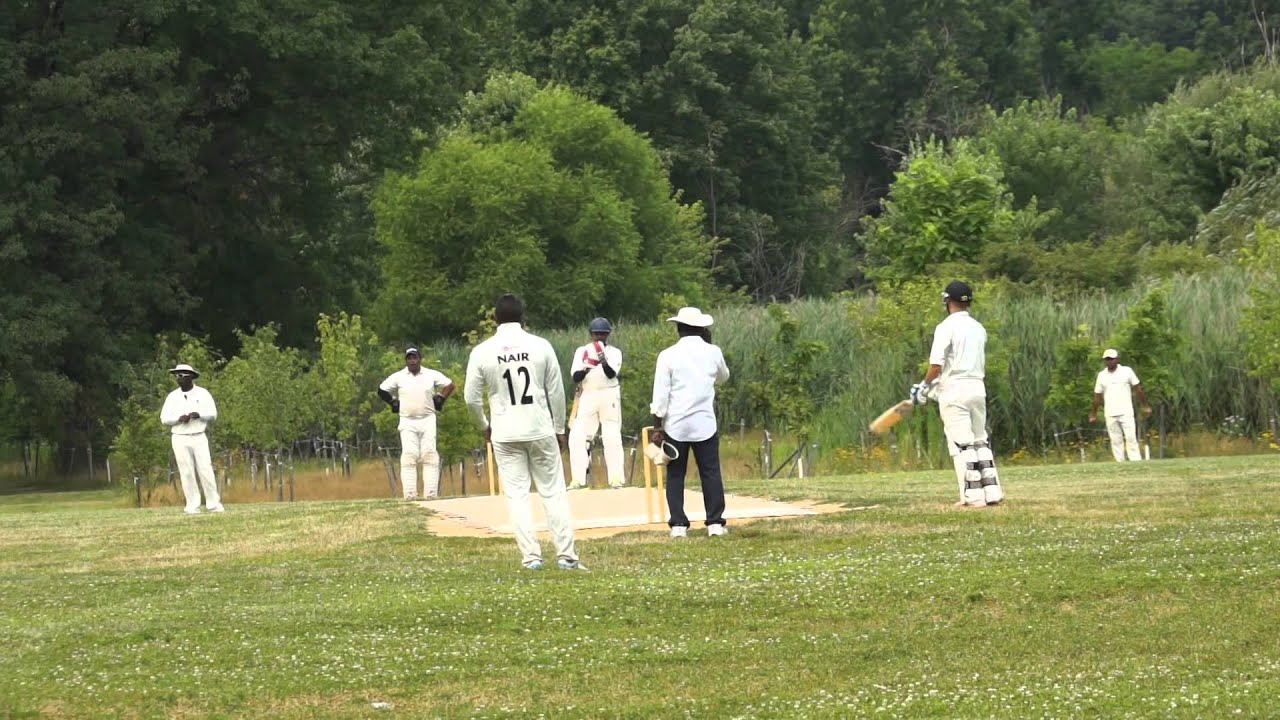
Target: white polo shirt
(1114,387)
(960,347)
(520,376)
(415,392)
(584,358)
(684,388)
(180,402)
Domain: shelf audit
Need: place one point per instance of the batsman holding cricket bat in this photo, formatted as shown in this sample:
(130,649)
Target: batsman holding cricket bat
(957,362)
(595,369)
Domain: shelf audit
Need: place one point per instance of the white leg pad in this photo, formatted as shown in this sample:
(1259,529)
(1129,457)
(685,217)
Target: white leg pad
(973,494)
(991,490)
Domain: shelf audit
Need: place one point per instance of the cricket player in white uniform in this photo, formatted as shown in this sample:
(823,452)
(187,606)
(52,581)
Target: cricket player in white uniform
(520,376)
(187,411)
(417,394)
(958,360)
(595,369)
(1114,390)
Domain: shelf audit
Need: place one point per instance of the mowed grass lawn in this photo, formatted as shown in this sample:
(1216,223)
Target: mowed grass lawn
(1148,590)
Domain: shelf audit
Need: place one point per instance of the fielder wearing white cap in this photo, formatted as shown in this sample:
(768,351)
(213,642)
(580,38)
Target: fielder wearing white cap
(595,369)
(684,415)
(188,411)
(1115,387)
(417,394)
(958,360)
(519,374)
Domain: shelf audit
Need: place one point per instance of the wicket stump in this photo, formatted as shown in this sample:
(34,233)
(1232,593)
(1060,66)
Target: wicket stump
(658,472)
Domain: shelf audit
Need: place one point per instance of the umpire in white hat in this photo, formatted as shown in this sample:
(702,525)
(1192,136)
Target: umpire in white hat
(187,411)
(684,415)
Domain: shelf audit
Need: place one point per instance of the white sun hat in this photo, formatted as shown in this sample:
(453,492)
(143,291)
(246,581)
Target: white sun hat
(184,368)
(693,317)
(1110,353)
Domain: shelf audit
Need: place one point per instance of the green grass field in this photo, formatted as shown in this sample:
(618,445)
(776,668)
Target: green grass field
(1099,590)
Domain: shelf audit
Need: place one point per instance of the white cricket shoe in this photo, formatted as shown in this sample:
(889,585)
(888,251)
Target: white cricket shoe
(717,530)
(679,531)
(217,508)
(578,486)
(191,511)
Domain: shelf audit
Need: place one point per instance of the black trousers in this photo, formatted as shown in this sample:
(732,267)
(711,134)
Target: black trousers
(707,455)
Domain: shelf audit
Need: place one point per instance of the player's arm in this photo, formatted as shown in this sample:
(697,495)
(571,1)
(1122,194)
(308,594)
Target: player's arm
(169,413)
(661,400)
(722,368)
(384,392)
(1142,396)
(1097,399)
(578,368)
(212,413)
(473,391)
(444,388)
(609,371)
(937,353)
(553,385)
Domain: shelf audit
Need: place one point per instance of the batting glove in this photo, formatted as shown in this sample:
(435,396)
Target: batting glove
(438,401)
(917,394)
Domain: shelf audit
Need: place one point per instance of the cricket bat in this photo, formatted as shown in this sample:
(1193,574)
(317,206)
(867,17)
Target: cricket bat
(890,417)
(573,411)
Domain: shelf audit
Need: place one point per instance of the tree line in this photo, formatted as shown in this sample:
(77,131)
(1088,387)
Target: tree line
(215,169)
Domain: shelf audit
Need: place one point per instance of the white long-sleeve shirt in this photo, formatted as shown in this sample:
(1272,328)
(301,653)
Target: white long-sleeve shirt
(584,358)
(183,402)
(960,347)
(520,376)
(684,388)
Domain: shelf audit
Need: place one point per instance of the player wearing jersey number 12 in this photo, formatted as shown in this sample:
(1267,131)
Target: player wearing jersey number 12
(518,374)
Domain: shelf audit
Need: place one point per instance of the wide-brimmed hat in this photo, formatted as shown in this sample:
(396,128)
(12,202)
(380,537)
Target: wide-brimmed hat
(693,317)
(185,368)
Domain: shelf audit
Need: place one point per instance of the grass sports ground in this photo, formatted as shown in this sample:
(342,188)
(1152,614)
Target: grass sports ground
(1147,590)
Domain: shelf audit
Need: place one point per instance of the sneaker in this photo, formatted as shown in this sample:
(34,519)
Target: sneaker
(570,565)
(534,565)
(217,508)
(410,498)
(578,486)
(191,511)
(679,531)
(615,486)
(717,531)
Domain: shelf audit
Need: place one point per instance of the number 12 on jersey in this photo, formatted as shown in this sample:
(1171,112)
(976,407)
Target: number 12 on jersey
(525,397)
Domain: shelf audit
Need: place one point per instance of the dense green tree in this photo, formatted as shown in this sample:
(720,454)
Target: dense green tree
(189,165)
(1056,158)
(564,204)
(894,71)
(945,205)
(1261,319)
(726,90)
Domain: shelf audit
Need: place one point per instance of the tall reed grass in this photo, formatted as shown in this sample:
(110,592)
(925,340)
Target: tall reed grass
(857,380)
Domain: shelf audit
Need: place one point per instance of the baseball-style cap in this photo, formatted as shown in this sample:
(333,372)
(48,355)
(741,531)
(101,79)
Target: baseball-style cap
(959,291)
(412,351)
(1110,353)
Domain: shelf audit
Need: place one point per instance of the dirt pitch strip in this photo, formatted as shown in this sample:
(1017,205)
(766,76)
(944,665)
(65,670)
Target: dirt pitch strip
(598,513)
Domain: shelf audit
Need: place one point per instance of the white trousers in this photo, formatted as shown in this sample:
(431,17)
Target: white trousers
(192,455)
(1124,436)
(962,404)
(597,410)
(540,460)
(418,445)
